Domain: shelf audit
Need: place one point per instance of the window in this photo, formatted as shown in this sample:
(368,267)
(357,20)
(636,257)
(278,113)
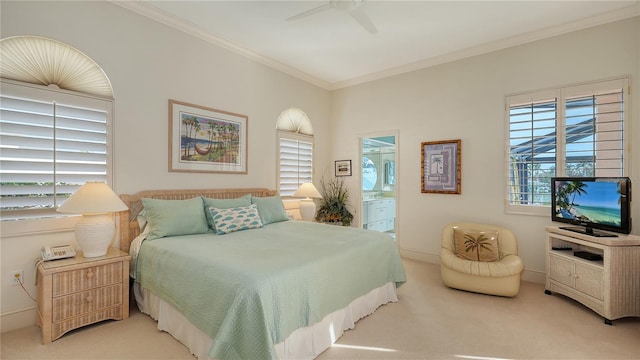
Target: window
(295,161)
(51,142)
(295,150)
(570,131)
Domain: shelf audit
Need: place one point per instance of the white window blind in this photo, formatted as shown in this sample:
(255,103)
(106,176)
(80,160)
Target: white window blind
(295,161)
(51,142)
(571,131)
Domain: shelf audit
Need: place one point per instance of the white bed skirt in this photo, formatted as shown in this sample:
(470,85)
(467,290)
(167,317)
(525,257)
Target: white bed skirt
(303,343)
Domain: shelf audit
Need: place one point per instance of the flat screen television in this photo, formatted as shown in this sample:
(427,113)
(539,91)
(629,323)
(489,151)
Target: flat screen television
(592,204)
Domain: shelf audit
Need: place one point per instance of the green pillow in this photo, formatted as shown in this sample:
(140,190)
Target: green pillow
(174,217)
(271,209)
(223,204)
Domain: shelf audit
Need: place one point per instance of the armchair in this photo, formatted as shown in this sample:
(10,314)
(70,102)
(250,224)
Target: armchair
(499,277)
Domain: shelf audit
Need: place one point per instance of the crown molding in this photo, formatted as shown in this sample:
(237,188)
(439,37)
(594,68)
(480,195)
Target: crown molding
(165,18)
(612,16)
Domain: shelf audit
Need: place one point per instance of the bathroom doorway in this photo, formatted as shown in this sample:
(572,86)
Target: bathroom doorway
(379,181)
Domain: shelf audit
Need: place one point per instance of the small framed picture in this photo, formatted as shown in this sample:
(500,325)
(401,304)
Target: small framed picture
(343,168)
(441,167)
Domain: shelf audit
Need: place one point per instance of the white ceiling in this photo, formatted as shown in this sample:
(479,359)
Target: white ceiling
(332,50)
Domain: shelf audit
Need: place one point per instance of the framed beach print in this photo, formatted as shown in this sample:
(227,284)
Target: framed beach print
(441,167)
(203,139)
(343,167)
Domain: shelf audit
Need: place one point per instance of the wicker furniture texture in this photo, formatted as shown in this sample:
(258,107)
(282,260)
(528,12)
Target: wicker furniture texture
(80,291)
(609,286)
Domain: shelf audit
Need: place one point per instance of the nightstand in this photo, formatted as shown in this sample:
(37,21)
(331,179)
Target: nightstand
(80,291)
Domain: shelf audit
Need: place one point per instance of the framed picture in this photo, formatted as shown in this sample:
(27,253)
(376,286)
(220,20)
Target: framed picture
(441,167)
(343,168)
(203,139)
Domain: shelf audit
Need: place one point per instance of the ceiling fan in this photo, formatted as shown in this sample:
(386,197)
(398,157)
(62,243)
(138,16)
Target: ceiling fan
(353,7)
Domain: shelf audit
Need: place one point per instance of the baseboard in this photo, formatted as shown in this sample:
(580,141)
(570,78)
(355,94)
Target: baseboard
(18,319)
(534,276)
(420,256)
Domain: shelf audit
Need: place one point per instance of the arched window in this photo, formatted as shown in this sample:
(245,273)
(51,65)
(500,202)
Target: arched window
(55,125)
(295,150)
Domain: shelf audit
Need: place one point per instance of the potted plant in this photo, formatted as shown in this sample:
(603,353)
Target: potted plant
(333,204)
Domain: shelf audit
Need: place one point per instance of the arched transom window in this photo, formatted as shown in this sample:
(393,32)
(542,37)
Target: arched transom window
(55,125)
(295,150)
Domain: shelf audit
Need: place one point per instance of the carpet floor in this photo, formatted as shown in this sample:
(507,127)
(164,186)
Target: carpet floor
(430,321)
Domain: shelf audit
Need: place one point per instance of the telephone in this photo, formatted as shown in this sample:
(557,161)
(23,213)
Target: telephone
(57,252)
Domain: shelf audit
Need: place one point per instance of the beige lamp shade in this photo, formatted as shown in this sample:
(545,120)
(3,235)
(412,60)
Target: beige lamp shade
(307,190)
(92,198)
(307,206)
(94,232)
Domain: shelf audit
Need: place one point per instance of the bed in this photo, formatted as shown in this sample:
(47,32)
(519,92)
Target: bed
(253,283)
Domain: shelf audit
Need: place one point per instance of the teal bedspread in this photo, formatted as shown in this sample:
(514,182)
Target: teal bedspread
(250,289)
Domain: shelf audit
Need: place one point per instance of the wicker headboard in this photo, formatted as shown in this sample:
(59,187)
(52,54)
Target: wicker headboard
(129,227)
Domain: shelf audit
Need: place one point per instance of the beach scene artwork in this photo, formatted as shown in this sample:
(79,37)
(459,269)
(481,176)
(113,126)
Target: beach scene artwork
(209,140)
(203,139)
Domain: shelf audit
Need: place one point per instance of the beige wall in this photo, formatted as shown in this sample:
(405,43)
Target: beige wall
(465,100)
(148,64)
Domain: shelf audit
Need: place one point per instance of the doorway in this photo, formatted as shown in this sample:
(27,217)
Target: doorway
(378,155)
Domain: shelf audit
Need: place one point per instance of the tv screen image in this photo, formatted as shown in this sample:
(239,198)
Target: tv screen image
(592,203)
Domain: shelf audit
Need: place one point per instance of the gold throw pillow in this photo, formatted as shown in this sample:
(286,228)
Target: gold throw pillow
(476,245)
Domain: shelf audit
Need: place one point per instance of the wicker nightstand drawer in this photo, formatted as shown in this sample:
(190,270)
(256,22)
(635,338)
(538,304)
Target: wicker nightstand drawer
(60,328)
(80,291)
(69,282)
(81,303)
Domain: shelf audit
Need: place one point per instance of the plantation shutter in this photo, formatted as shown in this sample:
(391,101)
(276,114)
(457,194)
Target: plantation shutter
(532,146)
(594,135)
(295,161)
(51,142)
(571,131)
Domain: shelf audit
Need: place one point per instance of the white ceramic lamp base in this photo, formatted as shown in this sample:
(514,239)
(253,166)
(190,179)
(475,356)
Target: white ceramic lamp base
(94,234)
(307,209)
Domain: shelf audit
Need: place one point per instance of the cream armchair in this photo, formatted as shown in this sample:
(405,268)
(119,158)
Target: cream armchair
(500,277)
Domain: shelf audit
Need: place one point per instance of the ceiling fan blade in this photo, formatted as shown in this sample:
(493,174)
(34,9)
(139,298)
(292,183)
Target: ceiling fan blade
(363,19)
(310,12)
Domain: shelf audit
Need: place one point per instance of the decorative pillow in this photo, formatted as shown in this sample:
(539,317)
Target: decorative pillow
(476,245)
(235,219)
(270,208)
(174,217)
(224,204)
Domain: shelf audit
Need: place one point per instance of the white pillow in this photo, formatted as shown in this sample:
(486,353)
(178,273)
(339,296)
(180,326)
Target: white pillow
(235,219)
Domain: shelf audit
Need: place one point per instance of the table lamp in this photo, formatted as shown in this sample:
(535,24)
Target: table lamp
(95,201)
(307,206)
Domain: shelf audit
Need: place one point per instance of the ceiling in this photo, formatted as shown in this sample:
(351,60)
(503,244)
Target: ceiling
(331,49)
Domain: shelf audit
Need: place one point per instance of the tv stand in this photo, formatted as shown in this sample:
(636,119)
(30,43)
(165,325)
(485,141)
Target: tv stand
(589,231)
(607,284)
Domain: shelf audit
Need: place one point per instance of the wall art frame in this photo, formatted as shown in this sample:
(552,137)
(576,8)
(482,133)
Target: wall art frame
(207,140)
(343,167)
(441,167)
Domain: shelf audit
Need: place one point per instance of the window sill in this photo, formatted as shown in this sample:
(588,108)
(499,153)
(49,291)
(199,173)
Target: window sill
(38,226)
(535,210)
